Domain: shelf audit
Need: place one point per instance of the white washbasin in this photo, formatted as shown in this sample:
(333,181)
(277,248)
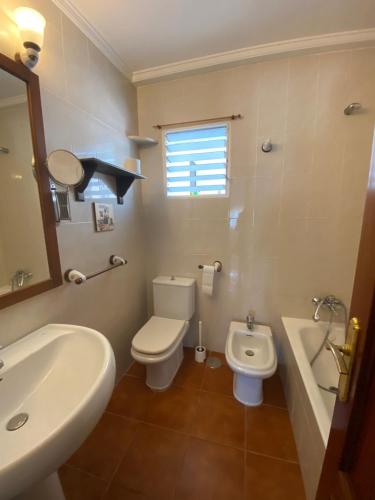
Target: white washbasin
(62,376)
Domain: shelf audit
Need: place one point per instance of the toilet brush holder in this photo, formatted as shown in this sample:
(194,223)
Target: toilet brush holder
(200,354)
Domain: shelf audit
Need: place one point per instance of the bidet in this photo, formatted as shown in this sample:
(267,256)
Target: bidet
(251,354)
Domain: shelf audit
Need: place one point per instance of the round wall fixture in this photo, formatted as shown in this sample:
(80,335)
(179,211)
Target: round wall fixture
(65,168)
(267,146)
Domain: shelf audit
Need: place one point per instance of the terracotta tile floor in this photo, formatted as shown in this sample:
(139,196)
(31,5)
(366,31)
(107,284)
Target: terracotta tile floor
(191,442)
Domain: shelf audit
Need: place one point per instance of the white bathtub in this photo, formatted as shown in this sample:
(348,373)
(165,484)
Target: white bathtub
(305,337)
(310,407)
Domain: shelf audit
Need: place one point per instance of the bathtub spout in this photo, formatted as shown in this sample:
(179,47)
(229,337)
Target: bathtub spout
(318,302)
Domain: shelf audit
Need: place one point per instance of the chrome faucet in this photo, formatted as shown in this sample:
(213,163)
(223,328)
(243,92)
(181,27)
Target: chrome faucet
(250,320)
(19,278)
(330,302)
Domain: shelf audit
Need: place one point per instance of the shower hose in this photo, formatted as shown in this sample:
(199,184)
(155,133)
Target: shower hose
(331,389)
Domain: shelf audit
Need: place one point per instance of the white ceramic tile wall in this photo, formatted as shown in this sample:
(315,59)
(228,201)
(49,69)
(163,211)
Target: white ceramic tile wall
(88,107)
(290,227)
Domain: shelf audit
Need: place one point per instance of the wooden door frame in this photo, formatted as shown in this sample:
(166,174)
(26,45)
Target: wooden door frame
(348,417)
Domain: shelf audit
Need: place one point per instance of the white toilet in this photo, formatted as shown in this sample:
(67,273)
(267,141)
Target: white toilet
(158,344)
(252,356)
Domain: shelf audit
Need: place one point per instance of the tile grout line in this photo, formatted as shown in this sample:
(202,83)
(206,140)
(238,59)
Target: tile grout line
(272,457)
(191,435)
(116,469)
(78,469)
(200,388)
(188,435)
(177,431)
(181,468)
(245,451)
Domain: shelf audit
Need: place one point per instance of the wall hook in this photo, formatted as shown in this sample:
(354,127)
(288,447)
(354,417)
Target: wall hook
(267,146)
(354,106)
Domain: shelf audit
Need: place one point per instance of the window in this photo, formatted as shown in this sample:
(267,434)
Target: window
(196,161)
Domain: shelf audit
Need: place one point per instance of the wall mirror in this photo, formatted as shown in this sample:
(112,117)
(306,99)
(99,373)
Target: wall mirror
(29,258)
(65,168)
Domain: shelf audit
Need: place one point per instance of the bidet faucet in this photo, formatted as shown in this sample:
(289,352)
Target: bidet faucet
(329,302)
(250,320)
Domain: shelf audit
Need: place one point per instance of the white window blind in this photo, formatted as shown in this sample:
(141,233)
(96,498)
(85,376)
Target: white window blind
(197,161)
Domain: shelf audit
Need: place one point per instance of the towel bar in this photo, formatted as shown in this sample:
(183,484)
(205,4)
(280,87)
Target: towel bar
(74,276)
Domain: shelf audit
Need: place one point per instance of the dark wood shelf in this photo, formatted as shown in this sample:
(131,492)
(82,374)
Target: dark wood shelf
(124,178)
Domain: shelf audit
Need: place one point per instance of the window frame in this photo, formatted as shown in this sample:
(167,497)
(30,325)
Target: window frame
(196,127)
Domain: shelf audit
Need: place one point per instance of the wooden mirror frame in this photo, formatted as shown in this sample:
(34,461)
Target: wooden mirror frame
(20,71)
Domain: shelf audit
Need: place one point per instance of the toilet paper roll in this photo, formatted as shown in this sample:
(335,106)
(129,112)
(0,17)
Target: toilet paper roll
(208,279)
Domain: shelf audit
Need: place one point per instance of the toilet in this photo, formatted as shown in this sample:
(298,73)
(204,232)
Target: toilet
(158,344)
(251,354)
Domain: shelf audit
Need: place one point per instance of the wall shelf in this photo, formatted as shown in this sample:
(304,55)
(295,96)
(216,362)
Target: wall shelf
(143,141)
(124,178)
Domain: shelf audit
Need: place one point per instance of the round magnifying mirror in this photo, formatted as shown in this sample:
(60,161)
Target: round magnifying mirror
(65,168)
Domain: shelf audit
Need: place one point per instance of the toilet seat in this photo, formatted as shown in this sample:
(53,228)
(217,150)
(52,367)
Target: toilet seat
(158,335)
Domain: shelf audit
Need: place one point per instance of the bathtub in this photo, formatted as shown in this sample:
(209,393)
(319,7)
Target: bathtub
(305,337)
(310,407)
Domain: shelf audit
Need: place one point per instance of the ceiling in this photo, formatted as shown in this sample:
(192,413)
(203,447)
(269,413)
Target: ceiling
(149,33)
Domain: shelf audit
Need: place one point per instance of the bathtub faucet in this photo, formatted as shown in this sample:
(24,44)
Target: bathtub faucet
(330,302)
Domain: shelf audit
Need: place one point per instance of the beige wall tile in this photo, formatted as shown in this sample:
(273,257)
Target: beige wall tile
(90,119)
(290,207)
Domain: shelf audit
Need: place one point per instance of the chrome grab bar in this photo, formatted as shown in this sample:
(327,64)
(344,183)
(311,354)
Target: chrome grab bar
(336,351)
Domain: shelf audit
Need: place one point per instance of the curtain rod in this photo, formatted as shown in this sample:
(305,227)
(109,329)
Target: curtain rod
(208,120)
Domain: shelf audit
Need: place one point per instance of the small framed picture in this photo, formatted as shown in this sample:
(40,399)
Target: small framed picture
(104,217)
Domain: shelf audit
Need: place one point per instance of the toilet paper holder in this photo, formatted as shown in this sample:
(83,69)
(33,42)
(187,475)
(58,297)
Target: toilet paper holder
(217,265)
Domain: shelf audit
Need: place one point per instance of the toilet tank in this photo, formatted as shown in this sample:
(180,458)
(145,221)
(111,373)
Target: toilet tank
(174,297)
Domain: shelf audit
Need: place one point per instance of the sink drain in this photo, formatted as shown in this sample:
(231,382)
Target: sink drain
(17,421)
(249,352)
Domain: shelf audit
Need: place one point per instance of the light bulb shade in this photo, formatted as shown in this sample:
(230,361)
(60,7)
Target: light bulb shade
(31,25)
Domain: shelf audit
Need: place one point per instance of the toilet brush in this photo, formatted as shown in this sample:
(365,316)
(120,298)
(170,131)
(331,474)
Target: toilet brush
(200,350)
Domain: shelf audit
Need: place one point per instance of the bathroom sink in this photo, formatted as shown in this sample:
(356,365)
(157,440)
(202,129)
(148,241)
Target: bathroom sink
(59,378)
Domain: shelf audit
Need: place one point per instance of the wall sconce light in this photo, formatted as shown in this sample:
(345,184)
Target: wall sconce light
(31,26)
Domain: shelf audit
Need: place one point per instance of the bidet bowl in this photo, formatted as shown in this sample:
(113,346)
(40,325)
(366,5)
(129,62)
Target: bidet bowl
(62,377)
(252,356)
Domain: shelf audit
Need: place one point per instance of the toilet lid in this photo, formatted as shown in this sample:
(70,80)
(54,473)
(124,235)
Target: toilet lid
(157,335)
